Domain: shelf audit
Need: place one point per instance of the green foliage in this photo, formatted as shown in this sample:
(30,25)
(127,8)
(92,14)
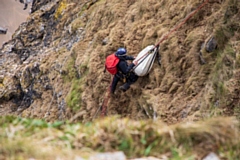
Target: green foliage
(124,145)
(222,72)
(150,147)
(74,98)
(178,155)
(5,120)
(71,72)
(75,95)
(34,123)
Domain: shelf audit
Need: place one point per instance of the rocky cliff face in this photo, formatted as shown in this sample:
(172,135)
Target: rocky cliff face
(53,66)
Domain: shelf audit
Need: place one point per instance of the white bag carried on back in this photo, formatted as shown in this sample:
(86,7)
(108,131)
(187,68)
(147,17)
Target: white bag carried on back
(145,60)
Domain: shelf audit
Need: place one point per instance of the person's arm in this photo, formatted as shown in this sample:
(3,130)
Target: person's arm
(129,58)
(124,67)
(130,67)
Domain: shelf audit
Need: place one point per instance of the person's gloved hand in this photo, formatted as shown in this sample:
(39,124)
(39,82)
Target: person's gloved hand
(135,62)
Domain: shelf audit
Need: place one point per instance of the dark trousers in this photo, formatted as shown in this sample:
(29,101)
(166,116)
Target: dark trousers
(132,78)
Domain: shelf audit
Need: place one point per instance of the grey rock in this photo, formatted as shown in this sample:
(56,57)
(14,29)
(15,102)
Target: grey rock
(211,156)
(211,45)
(3,30)
(78,158)
(105,41)
(150,158)
(108,156)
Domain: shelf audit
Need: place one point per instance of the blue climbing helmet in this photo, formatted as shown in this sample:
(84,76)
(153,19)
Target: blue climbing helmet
(121,52)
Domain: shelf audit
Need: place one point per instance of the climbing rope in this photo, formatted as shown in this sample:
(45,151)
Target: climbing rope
(103,107)
(164,37)
(105,102)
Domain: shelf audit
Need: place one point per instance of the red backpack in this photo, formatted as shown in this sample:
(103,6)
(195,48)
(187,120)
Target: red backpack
(111,63)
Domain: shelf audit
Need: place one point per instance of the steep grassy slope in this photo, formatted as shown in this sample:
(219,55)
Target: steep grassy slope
(181,89)
(53,67)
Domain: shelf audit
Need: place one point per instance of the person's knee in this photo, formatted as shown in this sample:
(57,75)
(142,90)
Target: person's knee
(132,80)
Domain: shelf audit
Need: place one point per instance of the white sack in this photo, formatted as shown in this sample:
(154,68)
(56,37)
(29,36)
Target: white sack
(146,60)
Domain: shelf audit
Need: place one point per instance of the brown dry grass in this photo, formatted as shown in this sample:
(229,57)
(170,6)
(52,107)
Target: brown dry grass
(180,84)
(181,89)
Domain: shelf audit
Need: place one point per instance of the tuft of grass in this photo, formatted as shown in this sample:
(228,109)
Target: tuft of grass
(76,24)
(74,98)
(222,36)
(70,71)
(222,72)
(16,135)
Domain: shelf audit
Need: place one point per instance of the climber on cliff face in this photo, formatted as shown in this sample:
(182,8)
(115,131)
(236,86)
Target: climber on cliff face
(124,71)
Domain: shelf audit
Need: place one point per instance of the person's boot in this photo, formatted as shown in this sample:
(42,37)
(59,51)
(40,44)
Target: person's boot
(112,95)
(124,87)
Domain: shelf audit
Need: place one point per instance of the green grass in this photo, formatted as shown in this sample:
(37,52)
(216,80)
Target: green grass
(134,138)
(74,98)
(70,72)
(221,73)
